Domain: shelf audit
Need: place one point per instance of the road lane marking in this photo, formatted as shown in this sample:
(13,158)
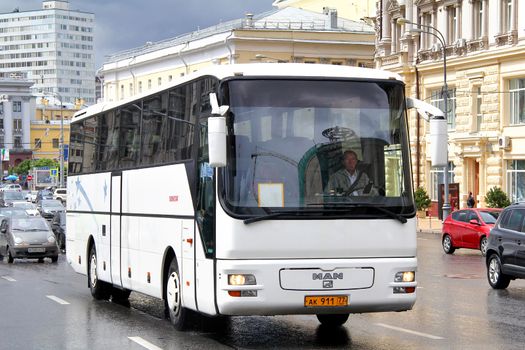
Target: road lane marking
(144,343)
(57,299)
(10,279)
(409,331)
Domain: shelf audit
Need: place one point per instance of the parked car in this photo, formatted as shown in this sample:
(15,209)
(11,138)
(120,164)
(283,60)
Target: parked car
(60,194)
(58,225)
(7,197)
(49,207)
(506,247)
(468,228)
(15,187)
(30,208)
(27,237)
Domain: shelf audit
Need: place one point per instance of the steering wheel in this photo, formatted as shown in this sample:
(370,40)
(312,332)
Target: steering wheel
(338,133)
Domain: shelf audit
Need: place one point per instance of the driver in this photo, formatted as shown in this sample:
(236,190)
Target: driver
(350,178)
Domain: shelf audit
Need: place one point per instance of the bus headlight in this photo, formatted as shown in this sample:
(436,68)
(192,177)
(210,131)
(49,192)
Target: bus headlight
(241,280)
(405,276)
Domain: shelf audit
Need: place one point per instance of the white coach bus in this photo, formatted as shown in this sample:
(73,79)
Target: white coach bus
(245,224)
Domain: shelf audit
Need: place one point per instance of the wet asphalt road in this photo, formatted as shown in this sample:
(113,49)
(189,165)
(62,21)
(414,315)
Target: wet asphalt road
(48,306)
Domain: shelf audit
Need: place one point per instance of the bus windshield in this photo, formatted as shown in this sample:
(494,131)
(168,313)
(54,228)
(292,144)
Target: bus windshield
(291,142)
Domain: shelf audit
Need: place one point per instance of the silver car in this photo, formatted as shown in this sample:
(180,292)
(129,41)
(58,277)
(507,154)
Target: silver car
(27,237)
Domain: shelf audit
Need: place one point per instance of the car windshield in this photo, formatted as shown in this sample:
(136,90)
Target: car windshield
(489,217)
(13,195)
(27,224)
(288,140)
(13,212)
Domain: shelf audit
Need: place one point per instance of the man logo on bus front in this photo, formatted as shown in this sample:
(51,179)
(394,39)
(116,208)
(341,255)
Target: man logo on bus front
(327,278)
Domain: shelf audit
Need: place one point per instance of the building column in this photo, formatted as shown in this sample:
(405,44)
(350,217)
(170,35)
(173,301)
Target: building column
(498,16)
(457,10)
(484,25)
(513,16)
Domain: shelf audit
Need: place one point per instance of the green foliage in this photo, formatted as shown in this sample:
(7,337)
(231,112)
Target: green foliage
(496,198)
(24,167)
(422,199)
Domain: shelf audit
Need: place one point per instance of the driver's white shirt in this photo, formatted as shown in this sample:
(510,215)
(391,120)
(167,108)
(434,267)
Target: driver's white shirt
(352,179)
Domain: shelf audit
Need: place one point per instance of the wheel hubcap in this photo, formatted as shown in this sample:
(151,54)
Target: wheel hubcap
(484,246)
(446,243)
(173,292)
(494,271)
(93,270)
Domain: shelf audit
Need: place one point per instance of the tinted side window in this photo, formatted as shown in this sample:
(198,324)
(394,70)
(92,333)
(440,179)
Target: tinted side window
(181,122)
(129,135)
(472,216)
(514,221)
(461,216)
(154,122)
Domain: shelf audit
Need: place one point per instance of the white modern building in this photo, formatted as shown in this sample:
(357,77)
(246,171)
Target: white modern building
(54,46)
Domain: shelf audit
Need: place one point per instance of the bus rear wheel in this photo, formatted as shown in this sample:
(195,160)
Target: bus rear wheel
(99,290)
(177,313)
(334,320)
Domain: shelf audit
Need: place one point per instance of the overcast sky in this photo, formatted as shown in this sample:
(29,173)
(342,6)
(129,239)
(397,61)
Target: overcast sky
(125,24)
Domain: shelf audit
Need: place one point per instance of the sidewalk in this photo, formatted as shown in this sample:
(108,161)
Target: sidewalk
(429,225)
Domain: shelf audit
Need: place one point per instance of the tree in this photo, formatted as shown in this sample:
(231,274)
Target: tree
(422,199)
(24,167)
(496,198)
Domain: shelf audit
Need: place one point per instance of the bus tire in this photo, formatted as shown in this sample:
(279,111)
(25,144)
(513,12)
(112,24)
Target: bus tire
(120,295)
(100,290)
(177,313)
(333,320)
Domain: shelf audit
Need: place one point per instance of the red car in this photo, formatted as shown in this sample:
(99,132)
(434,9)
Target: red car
(468,228)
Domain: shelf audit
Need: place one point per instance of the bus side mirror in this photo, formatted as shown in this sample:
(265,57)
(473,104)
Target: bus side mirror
(217,133)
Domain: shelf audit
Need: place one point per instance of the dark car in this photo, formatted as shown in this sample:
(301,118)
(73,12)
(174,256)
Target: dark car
(43,194)
(468,228)
(7,197)
(49,207)
(58,225)
(506,247)
(27,237)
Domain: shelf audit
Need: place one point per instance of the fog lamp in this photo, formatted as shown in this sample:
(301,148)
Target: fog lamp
(241,280)
(405,276)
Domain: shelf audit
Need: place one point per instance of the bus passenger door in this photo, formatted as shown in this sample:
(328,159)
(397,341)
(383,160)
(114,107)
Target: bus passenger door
(205,229)
(114,230)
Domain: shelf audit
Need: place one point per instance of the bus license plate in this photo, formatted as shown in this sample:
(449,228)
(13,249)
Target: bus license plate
(326,300)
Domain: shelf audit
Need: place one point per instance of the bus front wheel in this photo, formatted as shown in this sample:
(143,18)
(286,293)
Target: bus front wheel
(99,290)
(334,320)
(173,302)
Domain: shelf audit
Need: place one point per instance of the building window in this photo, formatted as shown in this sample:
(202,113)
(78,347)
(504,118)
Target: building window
(2,124)
(140,86)
(17,106)
(436,99)
(18,142)
(517,101)
(55,143)
(170,77)
(437,177)
(149,83)
(131,89)
(506,15)
(478,19)
(479,115)
(38,143)
(121,91)
(2,108)
(452,21)
(516,180)
(159,81)
(17,124)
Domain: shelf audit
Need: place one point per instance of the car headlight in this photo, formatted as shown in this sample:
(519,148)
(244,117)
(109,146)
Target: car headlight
(18,240)
(51,239)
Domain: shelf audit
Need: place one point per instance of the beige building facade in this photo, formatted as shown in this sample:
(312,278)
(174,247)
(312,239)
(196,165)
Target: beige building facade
(485,71)
(282,35)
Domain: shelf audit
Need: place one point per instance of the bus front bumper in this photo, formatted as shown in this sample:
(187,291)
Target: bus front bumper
(315,286)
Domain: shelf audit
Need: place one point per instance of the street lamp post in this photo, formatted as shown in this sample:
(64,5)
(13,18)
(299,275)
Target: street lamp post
(61,140)
(436,33)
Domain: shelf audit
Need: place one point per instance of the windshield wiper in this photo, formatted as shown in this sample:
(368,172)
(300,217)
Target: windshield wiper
(265,217)
(390,213)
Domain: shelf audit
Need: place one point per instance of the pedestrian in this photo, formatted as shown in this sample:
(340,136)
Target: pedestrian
(470,201)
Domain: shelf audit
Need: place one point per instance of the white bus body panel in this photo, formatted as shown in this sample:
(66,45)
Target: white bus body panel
(156,207)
